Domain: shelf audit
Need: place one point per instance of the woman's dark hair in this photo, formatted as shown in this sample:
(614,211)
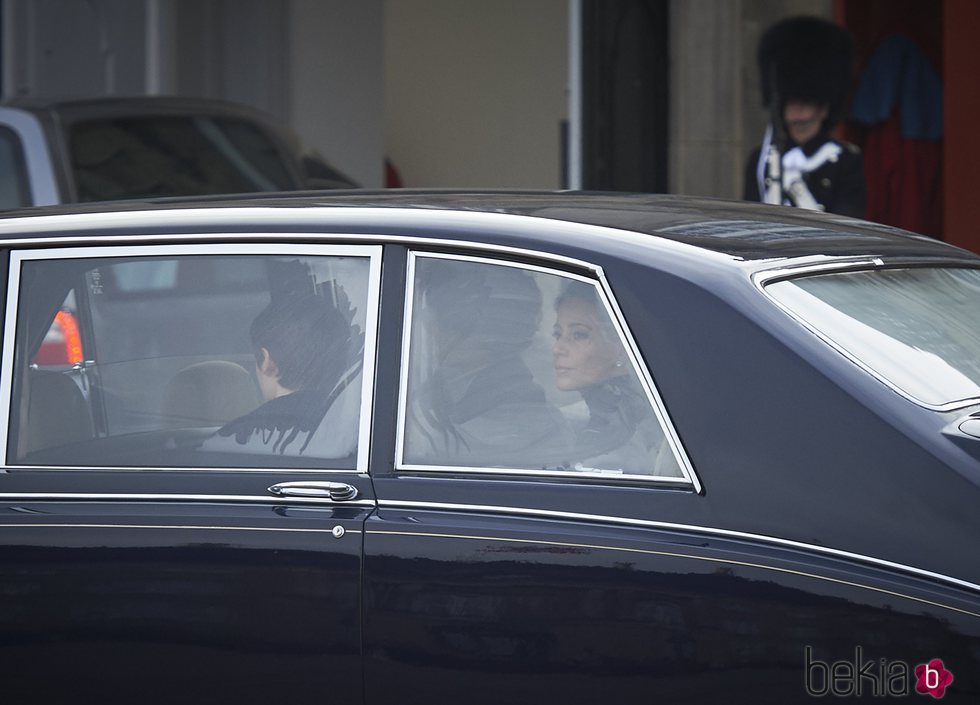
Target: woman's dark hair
(578,291)
(586,293)
(310,340)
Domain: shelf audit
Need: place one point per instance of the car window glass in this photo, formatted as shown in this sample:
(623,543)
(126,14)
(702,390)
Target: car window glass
(207,361)
(143,157)
(521,369)
(917,328)
(14,191)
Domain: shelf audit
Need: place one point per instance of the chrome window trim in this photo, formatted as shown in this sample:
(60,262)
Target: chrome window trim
(607,475)
(822,264)
(340,215)
(7,355)
(372,253)
(765,276)
(407,318)
(762,279)
(184,527)
(97,497)
(328,238)
(612,309)
(673,526)
(188,469)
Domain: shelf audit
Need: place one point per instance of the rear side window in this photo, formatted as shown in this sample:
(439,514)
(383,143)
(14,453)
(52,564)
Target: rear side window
(169,359)
(916,329)
(143,157)
(522,370)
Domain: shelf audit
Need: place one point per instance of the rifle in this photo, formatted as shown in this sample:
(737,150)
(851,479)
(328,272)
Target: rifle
(779,140)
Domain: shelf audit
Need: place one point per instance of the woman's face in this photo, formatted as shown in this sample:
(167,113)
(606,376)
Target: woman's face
(583,354)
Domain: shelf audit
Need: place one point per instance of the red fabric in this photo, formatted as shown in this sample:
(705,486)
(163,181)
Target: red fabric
(392,178)
(904,178)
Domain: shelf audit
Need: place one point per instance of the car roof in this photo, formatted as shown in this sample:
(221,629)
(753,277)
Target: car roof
(738,229)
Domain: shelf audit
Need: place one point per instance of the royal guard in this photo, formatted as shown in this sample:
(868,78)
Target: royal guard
(805,68)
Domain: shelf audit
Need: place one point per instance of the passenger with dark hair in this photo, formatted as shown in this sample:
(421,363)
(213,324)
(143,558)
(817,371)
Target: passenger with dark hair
(621,433)
(474,400)
(308,365)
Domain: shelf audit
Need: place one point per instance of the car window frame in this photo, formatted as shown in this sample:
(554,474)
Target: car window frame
(603,290)
(17,257)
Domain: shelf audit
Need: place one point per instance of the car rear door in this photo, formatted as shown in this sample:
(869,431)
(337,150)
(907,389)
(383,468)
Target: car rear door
(509,561)
(162,539)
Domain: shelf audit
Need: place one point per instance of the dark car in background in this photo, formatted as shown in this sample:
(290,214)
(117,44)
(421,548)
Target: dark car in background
(486,448)
(143,147)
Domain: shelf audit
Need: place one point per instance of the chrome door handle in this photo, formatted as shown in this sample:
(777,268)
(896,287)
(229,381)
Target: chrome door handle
(337,491)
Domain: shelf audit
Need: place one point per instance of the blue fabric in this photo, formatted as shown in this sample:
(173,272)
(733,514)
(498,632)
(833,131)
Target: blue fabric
(899,72)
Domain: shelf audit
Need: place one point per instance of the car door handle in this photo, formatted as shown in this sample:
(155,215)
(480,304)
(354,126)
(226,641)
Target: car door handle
(337,491)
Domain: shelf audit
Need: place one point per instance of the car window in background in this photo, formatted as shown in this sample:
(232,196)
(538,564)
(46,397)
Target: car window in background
(519,369)
(144,157)
(14,190)
(918,329)
(178,354)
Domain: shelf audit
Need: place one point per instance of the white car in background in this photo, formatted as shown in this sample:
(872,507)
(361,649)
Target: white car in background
(145,147)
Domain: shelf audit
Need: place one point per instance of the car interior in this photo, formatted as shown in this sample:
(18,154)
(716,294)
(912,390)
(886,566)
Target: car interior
(166,359)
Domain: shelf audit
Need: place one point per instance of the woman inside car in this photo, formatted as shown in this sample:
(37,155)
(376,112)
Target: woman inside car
(621,433)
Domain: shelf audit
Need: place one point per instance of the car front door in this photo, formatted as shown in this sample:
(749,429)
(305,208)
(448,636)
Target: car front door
(177,524)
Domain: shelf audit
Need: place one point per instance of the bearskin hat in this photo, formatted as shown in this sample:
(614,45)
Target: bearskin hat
(806,59)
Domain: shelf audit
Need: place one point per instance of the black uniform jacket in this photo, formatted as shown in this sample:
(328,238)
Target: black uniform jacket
(838,186)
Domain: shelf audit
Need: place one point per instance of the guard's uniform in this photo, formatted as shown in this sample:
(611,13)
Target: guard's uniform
(832,173)
(806,60)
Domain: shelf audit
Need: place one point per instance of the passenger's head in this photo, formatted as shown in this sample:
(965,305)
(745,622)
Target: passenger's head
(480,312)
(587,349)
(301,342)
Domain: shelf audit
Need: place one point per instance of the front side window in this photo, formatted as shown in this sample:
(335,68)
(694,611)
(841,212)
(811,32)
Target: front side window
(917,329)
(521,369)
(190,360)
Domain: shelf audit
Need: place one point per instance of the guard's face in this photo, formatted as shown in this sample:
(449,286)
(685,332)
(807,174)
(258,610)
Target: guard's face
(803,120)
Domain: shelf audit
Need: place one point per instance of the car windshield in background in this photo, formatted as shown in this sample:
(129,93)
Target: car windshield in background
(146,157)
(917,329)
(14,189)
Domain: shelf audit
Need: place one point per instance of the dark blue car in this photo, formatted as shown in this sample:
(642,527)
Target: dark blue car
(486,448)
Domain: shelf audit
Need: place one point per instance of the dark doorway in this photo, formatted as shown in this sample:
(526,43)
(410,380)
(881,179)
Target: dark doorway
(624,95)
